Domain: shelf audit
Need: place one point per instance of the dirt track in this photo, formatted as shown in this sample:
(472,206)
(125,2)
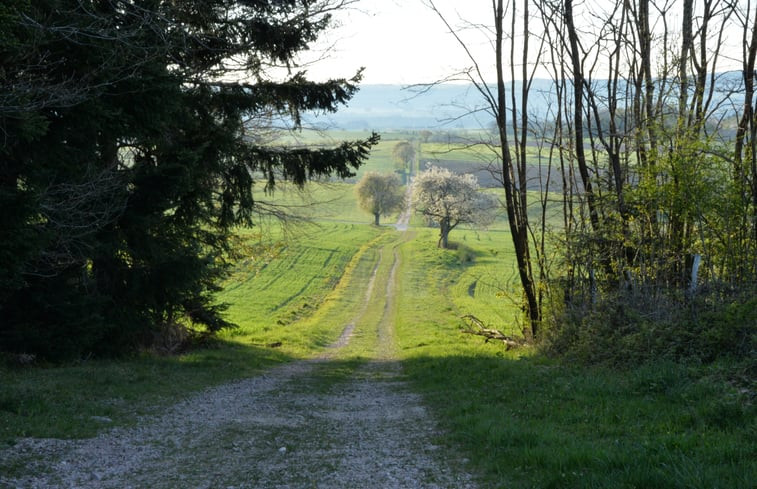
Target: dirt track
(322,423)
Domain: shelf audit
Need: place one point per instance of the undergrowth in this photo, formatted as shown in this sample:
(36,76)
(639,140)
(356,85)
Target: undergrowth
(527,420)
(632,329)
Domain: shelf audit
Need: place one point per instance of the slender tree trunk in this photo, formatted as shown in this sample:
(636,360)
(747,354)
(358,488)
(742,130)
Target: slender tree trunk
(645,36)
(515,194)
(578,96)
(517,219)
(748,126)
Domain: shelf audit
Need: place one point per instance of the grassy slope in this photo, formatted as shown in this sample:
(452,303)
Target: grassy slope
(526,421)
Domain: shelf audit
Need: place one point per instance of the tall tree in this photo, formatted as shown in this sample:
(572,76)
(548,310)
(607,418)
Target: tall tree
(403,154)
(512,120)
(129,155)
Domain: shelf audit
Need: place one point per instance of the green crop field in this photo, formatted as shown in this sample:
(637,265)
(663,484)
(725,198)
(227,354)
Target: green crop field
(292,280)
(381,158)
(381,155)
(474,153)
(329,201)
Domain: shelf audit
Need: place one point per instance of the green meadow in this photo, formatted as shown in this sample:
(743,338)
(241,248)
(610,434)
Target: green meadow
(526,421)
(523,420)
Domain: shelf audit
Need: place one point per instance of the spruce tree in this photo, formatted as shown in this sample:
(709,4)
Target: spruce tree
(127,158)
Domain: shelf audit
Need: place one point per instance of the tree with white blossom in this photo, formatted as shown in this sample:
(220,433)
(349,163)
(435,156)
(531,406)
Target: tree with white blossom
(450,199)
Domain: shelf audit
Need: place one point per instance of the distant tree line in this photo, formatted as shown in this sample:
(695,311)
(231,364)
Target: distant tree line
(129,145)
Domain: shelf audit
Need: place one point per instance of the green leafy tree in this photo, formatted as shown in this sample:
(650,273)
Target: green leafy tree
(380,194)
(449,199)
(127,158)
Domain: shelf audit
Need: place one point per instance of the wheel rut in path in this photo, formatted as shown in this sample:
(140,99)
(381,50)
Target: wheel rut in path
(331,422)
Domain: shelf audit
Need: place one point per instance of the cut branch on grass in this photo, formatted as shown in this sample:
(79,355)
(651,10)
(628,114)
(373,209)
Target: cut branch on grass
(476,327)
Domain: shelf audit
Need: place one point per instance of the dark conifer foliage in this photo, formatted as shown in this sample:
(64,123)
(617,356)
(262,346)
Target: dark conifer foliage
(127,155)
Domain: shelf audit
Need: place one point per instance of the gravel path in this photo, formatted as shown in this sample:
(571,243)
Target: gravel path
(404,218)
(322,423)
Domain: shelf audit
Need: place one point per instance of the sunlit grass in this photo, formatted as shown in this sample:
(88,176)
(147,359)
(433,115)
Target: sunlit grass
(523,420)
(526,421)
(300,300)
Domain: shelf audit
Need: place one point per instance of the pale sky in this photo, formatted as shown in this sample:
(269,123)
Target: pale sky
(404,42)
(398,41)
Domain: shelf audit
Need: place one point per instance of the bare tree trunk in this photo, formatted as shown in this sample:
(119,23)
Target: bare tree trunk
(748,125)
(444,230)
(578,94)
(515,197)
(646,62)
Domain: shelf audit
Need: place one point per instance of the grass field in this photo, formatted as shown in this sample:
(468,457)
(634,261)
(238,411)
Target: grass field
(326,202)
(527,421)
(381,155)
(523,420)
(275,300)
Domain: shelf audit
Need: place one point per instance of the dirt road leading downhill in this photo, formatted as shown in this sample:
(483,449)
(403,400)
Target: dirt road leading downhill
(324,423)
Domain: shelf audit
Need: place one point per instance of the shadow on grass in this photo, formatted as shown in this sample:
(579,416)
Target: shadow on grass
(80,399)
(523,422)
(531,422)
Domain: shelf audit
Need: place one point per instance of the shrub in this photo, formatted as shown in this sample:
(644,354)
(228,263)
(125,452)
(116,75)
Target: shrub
(632,328)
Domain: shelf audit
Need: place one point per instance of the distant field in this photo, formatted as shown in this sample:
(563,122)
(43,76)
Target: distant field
(474,153)
(456,155)
(381,159)
(381,156)
(329,202)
